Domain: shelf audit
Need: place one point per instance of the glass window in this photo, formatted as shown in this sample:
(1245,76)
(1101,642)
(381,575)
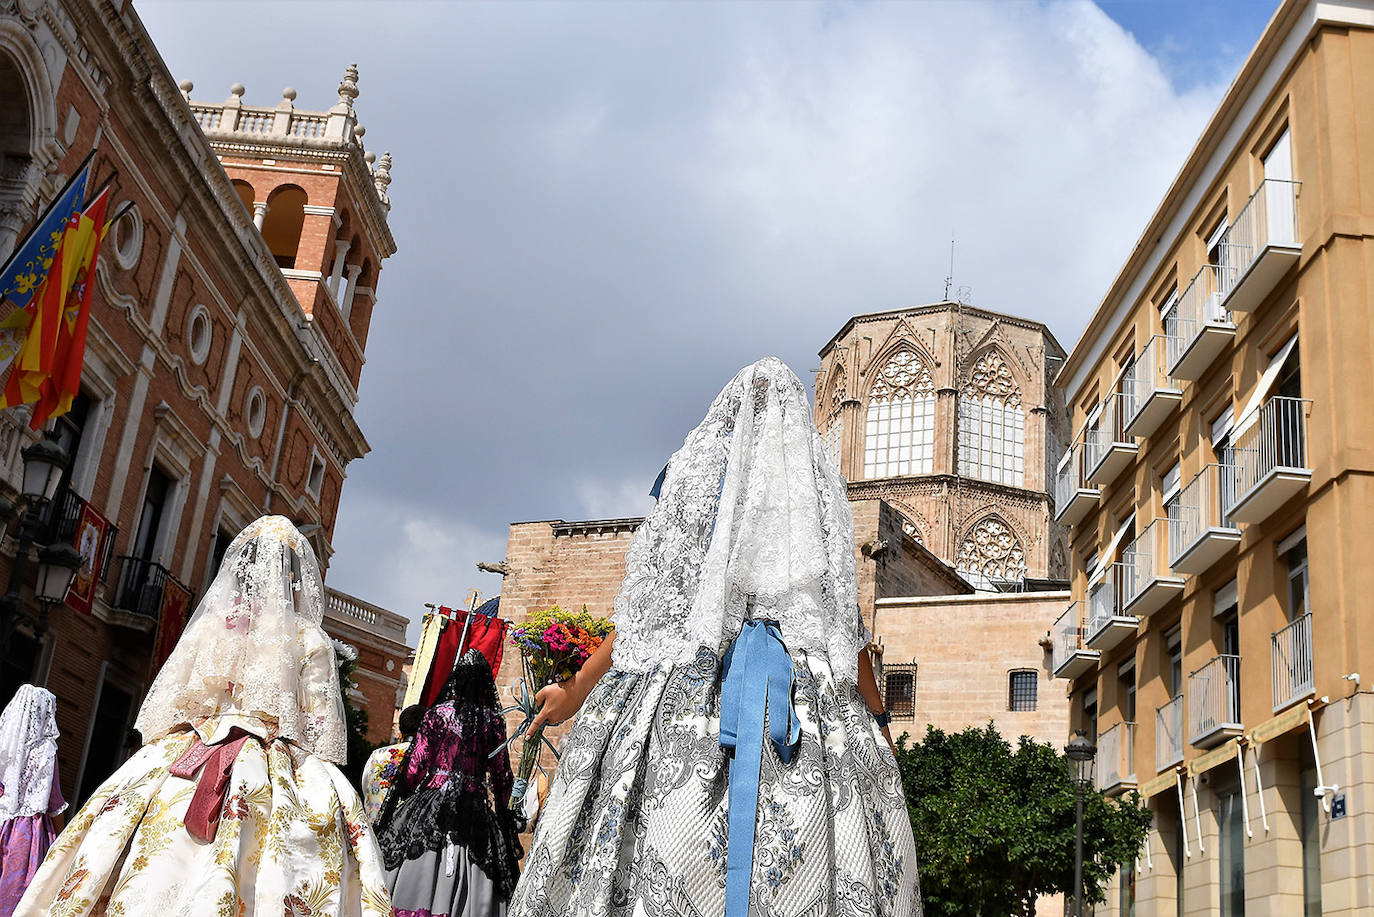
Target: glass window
(1231,821)
(1310,835)
(1021,692)
(1173,641)
(1090,714)
(899,429)
(992,424)
(1297,580)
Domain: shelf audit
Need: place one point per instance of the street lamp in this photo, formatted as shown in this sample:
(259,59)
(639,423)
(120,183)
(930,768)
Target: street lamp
(1080,753)
(44,462)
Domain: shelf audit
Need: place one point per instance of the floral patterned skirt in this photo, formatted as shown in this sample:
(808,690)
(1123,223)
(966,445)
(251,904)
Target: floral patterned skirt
(636,821)
(292,840)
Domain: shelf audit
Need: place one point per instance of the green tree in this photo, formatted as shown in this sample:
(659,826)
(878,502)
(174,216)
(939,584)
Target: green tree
(995,826)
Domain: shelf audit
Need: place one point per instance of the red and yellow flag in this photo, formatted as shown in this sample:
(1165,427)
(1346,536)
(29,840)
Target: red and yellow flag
(47,369)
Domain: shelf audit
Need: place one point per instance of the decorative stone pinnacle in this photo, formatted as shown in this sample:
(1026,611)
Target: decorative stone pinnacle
(381,177)
(359,131)
(237,90)
(348,89)
(369,157)
(289,94)
(186,87)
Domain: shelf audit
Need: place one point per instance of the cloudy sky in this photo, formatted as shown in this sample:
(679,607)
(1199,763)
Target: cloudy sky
(604,209)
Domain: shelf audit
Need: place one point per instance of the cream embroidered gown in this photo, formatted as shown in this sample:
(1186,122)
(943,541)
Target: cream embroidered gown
(291,839)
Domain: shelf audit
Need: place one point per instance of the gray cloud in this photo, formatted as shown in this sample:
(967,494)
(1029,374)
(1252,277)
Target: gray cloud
(605,209)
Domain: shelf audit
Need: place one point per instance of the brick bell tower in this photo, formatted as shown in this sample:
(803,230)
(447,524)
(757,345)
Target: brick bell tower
(319,197)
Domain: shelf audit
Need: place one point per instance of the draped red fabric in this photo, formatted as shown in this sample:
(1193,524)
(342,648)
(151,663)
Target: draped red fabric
(487,635)
(214,763)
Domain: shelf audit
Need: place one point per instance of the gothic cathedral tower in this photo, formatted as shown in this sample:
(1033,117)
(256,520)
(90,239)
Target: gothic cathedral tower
(947,413)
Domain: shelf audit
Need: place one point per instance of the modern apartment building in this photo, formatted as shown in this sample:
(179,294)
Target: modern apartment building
(1218,491)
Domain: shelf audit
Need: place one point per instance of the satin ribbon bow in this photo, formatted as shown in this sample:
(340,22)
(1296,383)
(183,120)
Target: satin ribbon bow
(757,681)
(214,762)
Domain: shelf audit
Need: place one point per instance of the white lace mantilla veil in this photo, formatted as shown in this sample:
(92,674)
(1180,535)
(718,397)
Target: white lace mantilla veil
(751,504)
(254,648)
(28,752)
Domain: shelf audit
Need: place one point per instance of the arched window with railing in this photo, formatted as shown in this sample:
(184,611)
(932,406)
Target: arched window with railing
(992,423)
(899,429)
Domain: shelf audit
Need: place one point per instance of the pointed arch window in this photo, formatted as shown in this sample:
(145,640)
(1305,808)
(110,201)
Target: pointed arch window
(899,429)
(832,433)
(991,556)
(992,424)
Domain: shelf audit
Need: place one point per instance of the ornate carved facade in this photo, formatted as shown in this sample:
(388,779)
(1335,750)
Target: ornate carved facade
(946,412)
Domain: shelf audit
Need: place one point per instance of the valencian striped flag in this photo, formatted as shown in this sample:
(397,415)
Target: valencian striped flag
(47,368)
(31,261)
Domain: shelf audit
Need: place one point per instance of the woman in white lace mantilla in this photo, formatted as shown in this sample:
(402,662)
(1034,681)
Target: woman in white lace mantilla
(676,793)
(234,806)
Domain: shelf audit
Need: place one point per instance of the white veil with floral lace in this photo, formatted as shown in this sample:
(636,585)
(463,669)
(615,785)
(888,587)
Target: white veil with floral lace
(750,505)
(255,648)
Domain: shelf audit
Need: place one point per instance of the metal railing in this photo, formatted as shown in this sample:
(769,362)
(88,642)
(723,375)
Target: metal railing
(1104,600)
(1116,756)
(1290,662)
(62,518)
(1069,479)
(1269,217)
(1068,635)
(1099,439)
(1144,560)
(1214,696)
(1169,734)
(1199,306)
(140,586)
(1148,373)
(1277,438)
(1198,507)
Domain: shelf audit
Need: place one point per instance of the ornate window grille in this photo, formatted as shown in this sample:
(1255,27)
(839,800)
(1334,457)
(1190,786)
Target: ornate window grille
(899,689)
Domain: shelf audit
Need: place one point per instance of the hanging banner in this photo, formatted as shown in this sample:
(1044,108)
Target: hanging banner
(487,634)
(424,659)
(92,533)
(171,620)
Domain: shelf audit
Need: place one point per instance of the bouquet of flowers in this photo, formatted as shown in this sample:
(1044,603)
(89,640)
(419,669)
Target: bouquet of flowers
(553,644)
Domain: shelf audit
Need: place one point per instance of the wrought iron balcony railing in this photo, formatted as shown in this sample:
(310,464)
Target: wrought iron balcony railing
(1116,758)
(1148,394)
(1070,656)
(1262,244)
(1214,701)
(1200,532)
(1074,497)
(1198,328)
(1147,580)
(140,587)
(1270,456)
(1107,448)
(1290,662)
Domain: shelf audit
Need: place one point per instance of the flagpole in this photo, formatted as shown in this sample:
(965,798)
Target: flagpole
(19,246)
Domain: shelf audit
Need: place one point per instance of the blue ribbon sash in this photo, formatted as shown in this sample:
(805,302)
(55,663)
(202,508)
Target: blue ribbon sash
(757,680)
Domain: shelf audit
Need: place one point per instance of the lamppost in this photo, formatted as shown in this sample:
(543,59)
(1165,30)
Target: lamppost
(1080,753)
(44,462)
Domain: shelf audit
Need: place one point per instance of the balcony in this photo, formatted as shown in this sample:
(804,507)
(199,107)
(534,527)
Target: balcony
(139,590)
(1069,657)
(1199,533)
(1262,244)
(1197,328)
(1169,734)
(1116,759)
(1148,395)
(1271,459)
(1107,450)
(1148,584)
(1074,498)
(1290,663)
(1108,625)
(1214,702)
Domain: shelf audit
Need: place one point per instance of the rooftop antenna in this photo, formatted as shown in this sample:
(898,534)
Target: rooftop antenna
(949,278)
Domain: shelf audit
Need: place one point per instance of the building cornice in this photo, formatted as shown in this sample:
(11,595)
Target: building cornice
(935,309)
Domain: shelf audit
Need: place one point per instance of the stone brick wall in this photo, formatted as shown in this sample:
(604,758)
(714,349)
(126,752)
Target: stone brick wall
(965,648)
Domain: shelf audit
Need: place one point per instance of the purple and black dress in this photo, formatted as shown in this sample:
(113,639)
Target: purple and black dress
(449,840)
(29,791)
